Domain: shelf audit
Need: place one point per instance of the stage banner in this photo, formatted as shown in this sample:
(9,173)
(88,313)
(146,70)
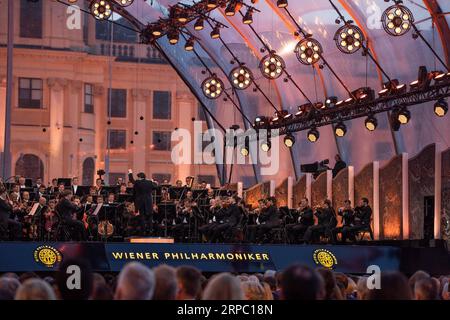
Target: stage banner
(104,257)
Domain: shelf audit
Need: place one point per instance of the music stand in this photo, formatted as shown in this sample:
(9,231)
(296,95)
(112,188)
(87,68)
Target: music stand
(169,209)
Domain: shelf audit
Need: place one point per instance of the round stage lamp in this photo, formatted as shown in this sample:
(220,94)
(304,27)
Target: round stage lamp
(241,77)
(212,3)
(308,51)
(215,33)
(397,20)
(340,129)
(349,38)
(100,9)
(313,135)
(266,145)
(282,3)
(289,140)
(272,66)
(125,3)
(189,46)
(199,24)
(212,87)
(441,108)
(173,37)
(403,116)
(245,151)
(371,123)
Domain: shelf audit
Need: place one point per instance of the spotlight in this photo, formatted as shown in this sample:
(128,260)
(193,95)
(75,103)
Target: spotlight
(245,149)
(212,87)
(371,123)
(423,79)
(182,16)
(230,10)
(349,38)
(199,24)
(272,66)
(308,51)
(403,115)
(241,77)
(248,18)
(340,129)
(157,31)
(391,87)
(211,4)
(266,145)
(280,115)
(440,76)
(215,33)
(189,46)
(331,102)
(125,3)
(304,109)
(364,94)
(100,9)
(397,20)
(313,135)
(282,3)
(260,121)
(441,108)
(289,140)
(173,37)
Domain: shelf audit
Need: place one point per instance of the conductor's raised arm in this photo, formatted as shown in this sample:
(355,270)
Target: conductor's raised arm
(130,176)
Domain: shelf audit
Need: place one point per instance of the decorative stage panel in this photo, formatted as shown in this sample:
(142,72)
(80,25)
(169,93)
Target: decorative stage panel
(340,189)
(445,217)
(319,190)
(421,184)
(253,194)
(281,193)
(299,191)
(391,199)
(364,186)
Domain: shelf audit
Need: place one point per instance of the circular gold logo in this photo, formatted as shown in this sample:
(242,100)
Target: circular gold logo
(47,255)
(325,258)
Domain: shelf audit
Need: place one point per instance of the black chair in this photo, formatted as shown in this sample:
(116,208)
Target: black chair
(366,230)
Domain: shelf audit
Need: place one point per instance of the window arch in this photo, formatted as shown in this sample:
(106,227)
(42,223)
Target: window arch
(88,171)
(29,166)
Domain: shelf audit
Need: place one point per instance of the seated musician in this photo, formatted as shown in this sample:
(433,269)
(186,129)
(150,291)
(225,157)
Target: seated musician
(253,221)
(66,209)
(230,220)
(213,215)
(304,221)
(60,191)
(179,184)
(41,192)
(111,198)
(326,220)
(363,216)
(123,189)
(268,219)
(135,224)
(184,221)
(15,193)
(12,227)
(348,218)
(51,190)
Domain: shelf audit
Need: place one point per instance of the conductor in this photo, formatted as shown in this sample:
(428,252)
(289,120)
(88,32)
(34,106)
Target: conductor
(143,198)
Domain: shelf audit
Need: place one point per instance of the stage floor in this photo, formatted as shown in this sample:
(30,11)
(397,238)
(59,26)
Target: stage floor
(112,256)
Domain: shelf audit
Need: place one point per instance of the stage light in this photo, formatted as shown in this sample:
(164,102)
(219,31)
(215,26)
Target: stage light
(340,129)
(189,46)
(173,36)
(199,24)
(248,18)
(423,79)
(308,51)
(392,86)
(364,94)
(157,31)
(280,115)
(100,9)
(241,77)
(441,77)
(313,135)
(230,10)
(245,149)
(211,4)
(124,3)
(289,140)
(213,87)
(441,108)
(349,38)
(282,3)
(371,123)
(397,20)
(272,66)
(182,16)
(215,33)
(403,115)
(331,102)
(266,145)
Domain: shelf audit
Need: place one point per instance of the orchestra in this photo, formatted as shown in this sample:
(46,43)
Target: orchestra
(186,213)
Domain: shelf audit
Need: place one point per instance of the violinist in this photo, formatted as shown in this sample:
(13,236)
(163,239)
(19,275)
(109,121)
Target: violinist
(231,219)
(305,220)
(66,210)
(13,227)
(348,220)
(326,221)
(211,222)
(50,219)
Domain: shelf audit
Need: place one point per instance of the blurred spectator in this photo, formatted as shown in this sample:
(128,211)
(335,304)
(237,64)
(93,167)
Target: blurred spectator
(189,283)
(9,285)
(223,286)
(64,276)
(27,275)
(166,283)
(394,286)
(361,289)
(301,283)
(332,291)
(253,290)
(102,292)
(426,289)
(35,289)
(418,275)
(135,282)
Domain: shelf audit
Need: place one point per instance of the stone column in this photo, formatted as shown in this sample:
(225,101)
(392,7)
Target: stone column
(100,125)
(75,107)
(185,107)
(376,200)
(405,197)
(2,110)
(140,97)
(56,132)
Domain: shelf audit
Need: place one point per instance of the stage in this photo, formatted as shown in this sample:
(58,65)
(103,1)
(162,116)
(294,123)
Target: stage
(404,256)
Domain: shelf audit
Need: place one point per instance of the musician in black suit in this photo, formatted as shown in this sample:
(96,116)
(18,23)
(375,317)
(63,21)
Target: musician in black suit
(12,227)
(363,216)
(348,219)
(76,190)
(305,220)
(326,221)
(230,221)
(66,210)
(268,219)
(143,202)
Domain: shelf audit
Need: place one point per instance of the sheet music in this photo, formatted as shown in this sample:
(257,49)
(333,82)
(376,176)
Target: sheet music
(33,209)
(97,209)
